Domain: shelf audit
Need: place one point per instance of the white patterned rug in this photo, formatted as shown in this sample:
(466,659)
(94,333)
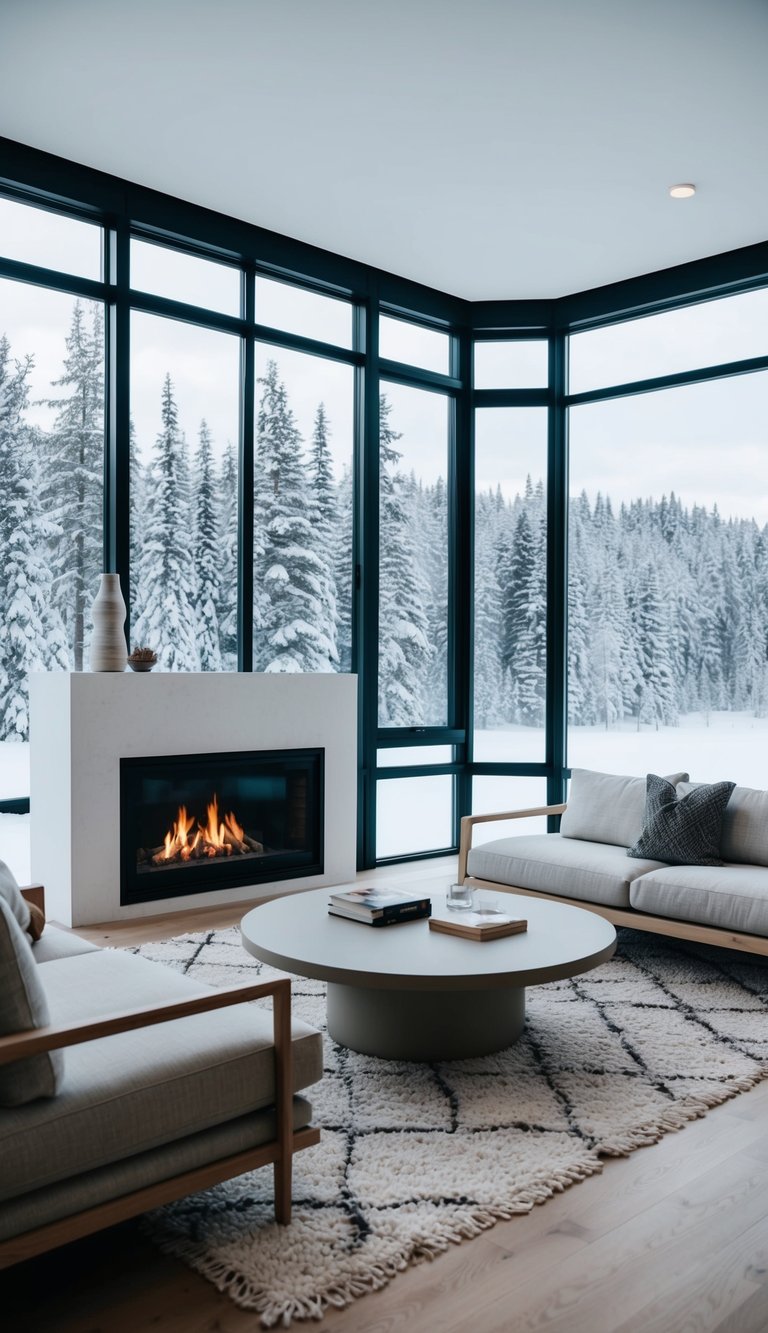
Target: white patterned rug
(414,1157)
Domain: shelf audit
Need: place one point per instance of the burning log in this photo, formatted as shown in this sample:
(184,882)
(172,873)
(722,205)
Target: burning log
(191,840)
(231,839)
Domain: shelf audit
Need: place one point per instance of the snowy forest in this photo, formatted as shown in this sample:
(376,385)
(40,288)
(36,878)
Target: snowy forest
(668,605)
(668,611)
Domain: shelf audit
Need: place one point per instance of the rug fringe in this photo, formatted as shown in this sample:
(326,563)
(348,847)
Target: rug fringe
(341,1294)
(272,1311)
(677,1116)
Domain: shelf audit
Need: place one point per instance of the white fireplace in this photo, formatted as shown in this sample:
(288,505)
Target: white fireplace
(83,725)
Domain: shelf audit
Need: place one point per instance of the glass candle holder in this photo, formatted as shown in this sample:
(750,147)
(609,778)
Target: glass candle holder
(460,897)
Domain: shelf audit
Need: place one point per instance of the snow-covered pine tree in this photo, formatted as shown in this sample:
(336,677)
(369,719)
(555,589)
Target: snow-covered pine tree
(488,671)
(137,508)
(324,516)
(33,636)
(404,648)
(206,554)
(614,667)
(522,576)
(581,707)
(343,552)
(166,574)
(226,525)
(657,692)
(74,476)
(702,575)
(432,518)
(321,476)
(297,624)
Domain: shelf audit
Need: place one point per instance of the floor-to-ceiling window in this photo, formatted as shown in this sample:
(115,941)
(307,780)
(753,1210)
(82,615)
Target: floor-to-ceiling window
(415,792)
(51,466)
(510,577)
(311,466)
(668,575)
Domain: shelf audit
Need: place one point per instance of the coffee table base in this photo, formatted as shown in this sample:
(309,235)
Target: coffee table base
(424,1025)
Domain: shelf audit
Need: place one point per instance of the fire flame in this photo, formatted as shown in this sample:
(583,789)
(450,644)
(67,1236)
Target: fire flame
(213,838)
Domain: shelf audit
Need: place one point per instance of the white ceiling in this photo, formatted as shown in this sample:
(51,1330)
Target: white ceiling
(490,148)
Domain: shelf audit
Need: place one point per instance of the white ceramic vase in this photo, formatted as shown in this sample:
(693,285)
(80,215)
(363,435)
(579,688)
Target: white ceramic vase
(108,649)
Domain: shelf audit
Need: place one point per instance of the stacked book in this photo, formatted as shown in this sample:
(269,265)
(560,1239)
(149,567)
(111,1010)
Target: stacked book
(485,924)
(379,907)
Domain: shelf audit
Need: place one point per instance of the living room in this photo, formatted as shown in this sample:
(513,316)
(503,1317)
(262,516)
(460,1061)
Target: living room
(390,385)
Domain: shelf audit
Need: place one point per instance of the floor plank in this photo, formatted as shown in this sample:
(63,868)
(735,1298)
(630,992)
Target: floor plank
(673,1239)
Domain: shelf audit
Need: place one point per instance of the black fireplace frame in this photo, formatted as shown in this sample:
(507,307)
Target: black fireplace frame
(228,873)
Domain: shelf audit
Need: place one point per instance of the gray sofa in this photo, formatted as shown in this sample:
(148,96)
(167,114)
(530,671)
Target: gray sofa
(586,862)
(140,1085)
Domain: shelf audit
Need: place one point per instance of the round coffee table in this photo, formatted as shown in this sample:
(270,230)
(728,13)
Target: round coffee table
(405,992)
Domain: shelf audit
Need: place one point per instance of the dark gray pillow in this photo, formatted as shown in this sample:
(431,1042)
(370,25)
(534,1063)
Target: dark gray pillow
(685,830)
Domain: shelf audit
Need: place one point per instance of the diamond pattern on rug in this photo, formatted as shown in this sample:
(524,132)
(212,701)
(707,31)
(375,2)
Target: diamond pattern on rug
(415,1157)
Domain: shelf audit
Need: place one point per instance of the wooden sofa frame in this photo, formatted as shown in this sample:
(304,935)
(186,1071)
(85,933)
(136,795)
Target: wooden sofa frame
(657,925)
(279,1151)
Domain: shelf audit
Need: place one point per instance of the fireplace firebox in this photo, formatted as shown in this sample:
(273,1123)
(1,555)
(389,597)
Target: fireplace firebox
(194,823)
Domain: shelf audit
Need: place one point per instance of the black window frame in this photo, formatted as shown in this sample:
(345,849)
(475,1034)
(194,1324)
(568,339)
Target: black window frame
(124,210)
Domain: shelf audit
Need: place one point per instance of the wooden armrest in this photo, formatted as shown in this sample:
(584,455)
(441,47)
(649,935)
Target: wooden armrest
(34,893)
(22,1044)
(468,822)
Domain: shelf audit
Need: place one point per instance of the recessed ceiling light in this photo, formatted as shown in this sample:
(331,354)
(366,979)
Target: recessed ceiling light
(682,191)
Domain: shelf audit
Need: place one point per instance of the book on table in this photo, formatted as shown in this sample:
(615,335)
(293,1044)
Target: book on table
(487,923)
(379,907)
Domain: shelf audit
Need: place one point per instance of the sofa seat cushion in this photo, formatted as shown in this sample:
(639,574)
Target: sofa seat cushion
(569,867)
(56,943)
(733,897)
(53,1202)
(132,1092)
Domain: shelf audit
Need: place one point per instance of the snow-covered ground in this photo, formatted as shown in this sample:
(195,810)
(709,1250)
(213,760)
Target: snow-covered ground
(14,845)
(413,813)
(14,769)
(714,747)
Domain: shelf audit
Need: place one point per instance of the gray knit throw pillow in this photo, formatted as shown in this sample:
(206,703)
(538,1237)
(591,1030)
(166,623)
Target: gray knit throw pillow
(682,831)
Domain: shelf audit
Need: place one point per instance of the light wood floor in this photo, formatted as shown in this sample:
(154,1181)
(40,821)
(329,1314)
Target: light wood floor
(674,1239)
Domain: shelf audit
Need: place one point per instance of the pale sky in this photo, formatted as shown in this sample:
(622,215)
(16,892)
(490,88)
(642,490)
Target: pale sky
(732,328)
(510,444)
(707,442)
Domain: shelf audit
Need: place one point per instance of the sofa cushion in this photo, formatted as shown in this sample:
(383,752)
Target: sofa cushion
(744,835)
(134,1091)
(50,1204)
(733,897)
(683,830)
(569,867)
(57,943)
(11,894)
(606,807)
(23,1007)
